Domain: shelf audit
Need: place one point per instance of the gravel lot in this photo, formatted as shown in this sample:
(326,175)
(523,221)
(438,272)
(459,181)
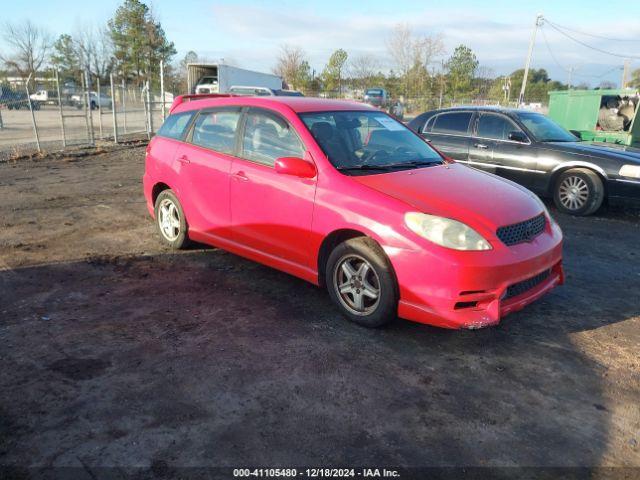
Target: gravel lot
(116,352)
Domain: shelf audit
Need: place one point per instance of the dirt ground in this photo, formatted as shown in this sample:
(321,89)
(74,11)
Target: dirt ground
(116,352)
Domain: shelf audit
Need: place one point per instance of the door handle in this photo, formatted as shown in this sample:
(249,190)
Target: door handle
(184,160)
(241,176)
(481,146)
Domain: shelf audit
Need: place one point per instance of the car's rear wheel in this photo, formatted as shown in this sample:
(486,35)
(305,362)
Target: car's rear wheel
(170,220)
(361,283)
(578,191)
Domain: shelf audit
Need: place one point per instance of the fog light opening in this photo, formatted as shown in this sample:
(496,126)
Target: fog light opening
(461,305)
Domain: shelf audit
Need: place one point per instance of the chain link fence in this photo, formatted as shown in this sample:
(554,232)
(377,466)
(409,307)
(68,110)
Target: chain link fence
(47,114)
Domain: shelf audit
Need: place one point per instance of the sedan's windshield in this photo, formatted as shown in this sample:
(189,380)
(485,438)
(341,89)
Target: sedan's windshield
(544,129)
(368,142)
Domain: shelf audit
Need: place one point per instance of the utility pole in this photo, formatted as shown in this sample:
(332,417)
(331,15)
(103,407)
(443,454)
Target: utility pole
(625,71)
(506,88)
(537,23)
(441,85)
(571,69)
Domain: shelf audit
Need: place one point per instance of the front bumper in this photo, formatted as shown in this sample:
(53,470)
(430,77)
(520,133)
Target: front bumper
(471,289)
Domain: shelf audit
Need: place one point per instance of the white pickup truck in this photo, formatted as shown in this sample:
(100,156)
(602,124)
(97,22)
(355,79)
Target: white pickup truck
(97,101)
(44,97)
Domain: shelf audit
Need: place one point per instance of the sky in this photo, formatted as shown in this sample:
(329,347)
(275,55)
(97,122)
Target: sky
(249,33)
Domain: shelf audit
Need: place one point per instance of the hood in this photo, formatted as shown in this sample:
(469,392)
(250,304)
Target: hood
(623,153)
(462,193)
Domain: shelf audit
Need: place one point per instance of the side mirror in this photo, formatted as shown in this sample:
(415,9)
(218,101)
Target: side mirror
(518,137)
(295,166)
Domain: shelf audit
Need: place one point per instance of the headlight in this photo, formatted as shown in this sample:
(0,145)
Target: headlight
(630,171)
(445,232)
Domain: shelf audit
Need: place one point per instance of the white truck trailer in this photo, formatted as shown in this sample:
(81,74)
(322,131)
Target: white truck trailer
(218,78)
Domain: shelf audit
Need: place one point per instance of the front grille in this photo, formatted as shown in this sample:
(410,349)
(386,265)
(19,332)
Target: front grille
(526,285)
(523,231)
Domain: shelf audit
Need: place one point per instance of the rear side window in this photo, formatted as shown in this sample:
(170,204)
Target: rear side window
(175,125)
(454,123)
(495,127)
(268,137)
(429,125)
(216,129)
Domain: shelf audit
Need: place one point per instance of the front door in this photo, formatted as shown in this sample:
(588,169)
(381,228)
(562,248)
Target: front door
(491,149)
(271,212)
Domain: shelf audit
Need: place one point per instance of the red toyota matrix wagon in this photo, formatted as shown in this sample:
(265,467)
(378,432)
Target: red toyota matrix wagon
(342,195)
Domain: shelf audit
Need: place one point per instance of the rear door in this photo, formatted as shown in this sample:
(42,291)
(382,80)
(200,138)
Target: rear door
(203,165)
(450,133)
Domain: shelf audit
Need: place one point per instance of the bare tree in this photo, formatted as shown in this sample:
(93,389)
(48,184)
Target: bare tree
(484,81)
(29,45)
(95,49)
(427,49)
(413,55)
(289,64)
(400,47)
(363,68)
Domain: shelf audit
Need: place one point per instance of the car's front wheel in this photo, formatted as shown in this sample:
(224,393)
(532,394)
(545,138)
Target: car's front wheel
(361,283)
(578,191)
(170,220)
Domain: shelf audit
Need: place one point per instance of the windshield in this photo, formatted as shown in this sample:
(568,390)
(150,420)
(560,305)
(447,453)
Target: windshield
(368,142)
(544,129)
(374,93)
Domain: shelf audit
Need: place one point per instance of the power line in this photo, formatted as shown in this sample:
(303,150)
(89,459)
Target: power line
(569,70)
(606,52)
(602,37)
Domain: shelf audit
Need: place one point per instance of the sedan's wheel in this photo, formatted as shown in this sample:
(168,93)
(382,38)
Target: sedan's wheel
(578,192)
(170,220)
(361,282)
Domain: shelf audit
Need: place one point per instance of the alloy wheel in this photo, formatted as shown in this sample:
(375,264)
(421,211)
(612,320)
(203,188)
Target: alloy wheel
(573,193)
(169,219)
(357,284)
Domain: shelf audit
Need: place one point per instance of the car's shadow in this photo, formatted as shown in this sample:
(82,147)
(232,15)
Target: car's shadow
(203,358)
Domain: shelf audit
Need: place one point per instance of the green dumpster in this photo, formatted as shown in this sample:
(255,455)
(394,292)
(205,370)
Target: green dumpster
(598,115)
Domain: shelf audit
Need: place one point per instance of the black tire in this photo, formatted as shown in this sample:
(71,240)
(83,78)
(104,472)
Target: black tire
(578,191)
(379,312)
(167,230)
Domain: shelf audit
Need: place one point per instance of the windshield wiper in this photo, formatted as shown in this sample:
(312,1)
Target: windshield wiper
(415,163)
(390,166)
(363,166)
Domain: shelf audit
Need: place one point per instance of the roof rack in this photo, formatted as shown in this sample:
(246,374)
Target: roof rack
(180,99)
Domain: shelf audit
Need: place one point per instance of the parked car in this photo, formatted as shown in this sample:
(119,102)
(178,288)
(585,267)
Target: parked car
(97,101)
(207,84)
(15,99)
(377,97)
(263,92)
(532,150)
(344,196)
